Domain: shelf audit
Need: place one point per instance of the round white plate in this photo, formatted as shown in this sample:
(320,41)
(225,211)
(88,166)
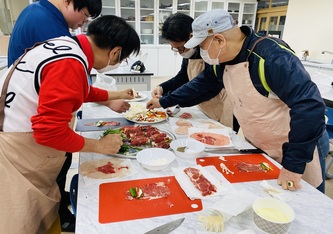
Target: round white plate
(133,154)
(146,122)
(138,99)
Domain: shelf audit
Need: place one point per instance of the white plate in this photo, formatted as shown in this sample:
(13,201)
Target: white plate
(138,99)
(139,107)
(146,122)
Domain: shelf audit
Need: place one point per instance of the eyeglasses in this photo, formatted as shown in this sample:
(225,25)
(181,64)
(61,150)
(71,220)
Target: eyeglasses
(124,62)
(86,16)
(178,49)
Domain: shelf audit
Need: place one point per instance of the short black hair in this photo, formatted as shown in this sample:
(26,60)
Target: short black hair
(94,6)
(109,31)
(177,27)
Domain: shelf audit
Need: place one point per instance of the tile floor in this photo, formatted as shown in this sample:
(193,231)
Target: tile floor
(155,81)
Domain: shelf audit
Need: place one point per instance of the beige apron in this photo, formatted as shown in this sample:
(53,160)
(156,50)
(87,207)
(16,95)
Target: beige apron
(264,121)
(219,107)
(29,194)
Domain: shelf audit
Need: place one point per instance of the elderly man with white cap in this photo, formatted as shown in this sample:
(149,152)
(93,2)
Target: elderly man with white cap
(278,107)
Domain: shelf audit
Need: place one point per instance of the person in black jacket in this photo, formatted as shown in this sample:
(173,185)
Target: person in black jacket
(190,87)
(278,107)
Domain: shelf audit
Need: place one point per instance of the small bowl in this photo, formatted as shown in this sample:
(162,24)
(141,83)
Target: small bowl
(272,215)
(192,150)
(155,159)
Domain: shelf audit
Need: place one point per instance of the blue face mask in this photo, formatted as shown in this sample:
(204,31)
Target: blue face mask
(205,55)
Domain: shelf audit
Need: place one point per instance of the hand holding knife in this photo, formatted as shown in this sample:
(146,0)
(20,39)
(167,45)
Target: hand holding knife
(174,112)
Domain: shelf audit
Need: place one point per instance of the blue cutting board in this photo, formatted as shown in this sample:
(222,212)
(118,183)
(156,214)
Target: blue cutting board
(86,125)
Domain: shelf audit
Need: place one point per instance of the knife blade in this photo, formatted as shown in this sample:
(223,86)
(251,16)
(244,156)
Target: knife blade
(234,151)
(174,112)
(166,228)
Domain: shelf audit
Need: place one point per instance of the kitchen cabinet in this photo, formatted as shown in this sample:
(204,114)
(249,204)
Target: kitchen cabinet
(148,16)
(243,13)
(271,17)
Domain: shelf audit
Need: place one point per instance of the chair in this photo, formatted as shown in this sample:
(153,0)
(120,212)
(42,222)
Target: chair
(329,127)
(79,114)
(73,192)
(329,164)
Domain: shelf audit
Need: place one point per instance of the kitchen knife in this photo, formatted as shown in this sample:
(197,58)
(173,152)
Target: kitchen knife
(166,228)
(174,112)
(234,151)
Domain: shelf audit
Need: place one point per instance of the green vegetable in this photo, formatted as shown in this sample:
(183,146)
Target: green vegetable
(265,166)
(113,131)
(125,148)
(181,149)
(133,192)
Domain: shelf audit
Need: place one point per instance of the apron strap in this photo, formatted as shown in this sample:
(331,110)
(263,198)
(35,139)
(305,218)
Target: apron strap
(9,75)
(6,83)
(254,45)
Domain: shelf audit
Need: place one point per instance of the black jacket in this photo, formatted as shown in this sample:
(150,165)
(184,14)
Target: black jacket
(288,79)
(179,90)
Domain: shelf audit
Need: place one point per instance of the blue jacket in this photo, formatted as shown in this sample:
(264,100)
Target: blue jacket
(37,22)
(179,90)
(288,79)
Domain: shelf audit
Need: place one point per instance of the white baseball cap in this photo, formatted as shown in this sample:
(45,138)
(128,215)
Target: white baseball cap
(208,24)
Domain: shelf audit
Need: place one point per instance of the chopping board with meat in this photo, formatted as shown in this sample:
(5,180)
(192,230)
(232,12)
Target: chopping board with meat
(242,168)
(145,198)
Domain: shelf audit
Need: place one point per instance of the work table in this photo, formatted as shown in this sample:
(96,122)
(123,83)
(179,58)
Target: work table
(313,209)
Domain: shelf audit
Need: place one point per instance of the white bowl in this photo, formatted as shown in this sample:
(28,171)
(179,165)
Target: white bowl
(272,215)
(192,150)
(155,159)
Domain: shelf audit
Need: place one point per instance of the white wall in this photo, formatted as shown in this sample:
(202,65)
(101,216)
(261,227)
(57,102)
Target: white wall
(309,25)
(16,6)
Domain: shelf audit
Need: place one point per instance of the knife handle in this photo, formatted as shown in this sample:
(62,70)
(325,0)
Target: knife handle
(251,151)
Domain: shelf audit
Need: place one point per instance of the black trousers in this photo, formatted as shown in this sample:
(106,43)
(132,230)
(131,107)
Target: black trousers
(61,181)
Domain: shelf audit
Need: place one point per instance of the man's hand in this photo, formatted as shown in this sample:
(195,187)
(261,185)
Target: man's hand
(289,180)
(153,103)
(122,94)
(157,92)
(119,105)
(110,144)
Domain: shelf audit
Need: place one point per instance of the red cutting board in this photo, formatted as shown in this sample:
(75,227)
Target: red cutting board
(239,176)
(113,207)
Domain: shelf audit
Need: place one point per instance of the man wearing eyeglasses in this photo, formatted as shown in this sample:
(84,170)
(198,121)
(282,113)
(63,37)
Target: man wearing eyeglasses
(189,87)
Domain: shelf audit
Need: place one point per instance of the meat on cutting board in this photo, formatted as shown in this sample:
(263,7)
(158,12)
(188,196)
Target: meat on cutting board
(200,181)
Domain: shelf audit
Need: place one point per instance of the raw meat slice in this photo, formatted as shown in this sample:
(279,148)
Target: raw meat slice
(105,168)
(182,130)
(211,138)
(183,122)
(200,181)
(149,191)
(186,115)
